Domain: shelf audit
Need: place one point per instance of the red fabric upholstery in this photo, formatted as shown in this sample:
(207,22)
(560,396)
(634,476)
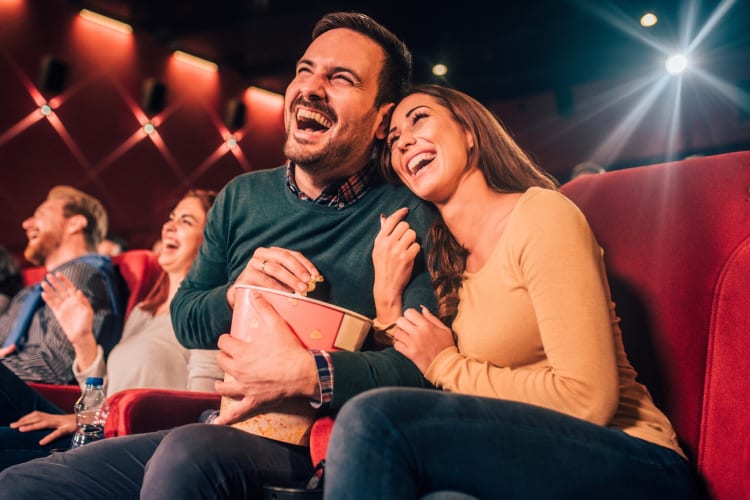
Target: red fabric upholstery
(140,270)
(677,246)
(144,410)
(33,275)
(62,396)
(319,434)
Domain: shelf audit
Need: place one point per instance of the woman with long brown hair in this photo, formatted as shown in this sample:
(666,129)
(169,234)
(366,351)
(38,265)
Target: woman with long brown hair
(538,397)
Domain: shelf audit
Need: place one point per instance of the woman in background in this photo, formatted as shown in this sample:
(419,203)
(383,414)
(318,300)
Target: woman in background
(148,355)
(538,397)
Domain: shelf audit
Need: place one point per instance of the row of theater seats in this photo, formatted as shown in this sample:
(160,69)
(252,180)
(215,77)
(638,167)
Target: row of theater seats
(133,410)
(677,247)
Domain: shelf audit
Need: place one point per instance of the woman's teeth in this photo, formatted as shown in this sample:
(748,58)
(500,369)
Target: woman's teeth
(419,162)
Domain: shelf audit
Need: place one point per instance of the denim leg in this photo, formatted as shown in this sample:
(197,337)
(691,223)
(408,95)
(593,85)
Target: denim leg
(17,447)
(216,461)
(111,468)
(18,399)
(404,443)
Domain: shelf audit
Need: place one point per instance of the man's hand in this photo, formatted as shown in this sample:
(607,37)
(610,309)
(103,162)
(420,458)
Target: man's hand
(4,351)
(276,268)
(63,425)
(269,367)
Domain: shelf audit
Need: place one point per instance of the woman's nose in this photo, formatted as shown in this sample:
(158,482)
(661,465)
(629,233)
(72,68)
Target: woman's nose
(404,141)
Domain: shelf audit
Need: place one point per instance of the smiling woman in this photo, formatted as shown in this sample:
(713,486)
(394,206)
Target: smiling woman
(525,343)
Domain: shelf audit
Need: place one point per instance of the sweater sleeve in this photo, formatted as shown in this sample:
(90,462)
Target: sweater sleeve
(558,261)
(97,369)
(200,312)
(356,372)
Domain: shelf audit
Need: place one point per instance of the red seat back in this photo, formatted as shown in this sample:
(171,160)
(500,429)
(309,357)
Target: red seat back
(140,269)
(676,239)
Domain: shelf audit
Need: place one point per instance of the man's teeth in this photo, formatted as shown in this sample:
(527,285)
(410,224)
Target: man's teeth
(419,161)
(306,114)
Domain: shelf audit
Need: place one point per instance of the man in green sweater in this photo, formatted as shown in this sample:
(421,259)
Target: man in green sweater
(318,215)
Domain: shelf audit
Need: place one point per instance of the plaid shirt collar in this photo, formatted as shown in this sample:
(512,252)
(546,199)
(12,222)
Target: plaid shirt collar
(339,194)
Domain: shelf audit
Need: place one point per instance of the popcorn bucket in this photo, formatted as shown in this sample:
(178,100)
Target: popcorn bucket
(318,325)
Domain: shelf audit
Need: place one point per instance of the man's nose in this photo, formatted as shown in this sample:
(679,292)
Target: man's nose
(27,223)
(313,87)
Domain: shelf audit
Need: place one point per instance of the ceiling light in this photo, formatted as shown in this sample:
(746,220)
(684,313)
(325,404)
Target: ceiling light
(440,70)
(676,64)
(107,22)
(649,19)
(195,61)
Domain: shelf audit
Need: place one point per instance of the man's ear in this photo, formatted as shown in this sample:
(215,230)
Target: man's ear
(75,224)
(384,115)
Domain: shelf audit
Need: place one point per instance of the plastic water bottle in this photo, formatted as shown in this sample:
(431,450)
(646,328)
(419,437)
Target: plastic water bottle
(91,412)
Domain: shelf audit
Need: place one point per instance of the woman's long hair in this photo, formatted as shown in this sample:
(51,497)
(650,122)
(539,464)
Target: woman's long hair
(159,293)
(506,169)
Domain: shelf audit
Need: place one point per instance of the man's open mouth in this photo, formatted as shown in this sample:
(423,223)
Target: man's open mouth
(312,121)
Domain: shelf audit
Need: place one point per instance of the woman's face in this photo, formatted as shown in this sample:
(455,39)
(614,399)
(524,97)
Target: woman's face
(181,235)
(429,149)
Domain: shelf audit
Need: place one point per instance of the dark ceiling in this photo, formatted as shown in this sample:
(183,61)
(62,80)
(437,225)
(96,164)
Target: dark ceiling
(495,50)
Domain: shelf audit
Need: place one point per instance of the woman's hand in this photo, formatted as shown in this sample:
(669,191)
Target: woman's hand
(71,308)
(63,425)
(393,255)
(421,336)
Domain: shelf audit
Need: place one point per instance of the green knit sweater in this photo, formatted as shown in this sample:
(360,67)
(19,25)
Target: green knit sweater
(258,210)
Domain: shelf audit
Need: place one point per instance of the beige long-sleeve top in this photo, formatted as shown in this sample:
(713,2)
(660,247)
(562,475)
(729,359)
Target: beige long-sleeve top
(537,325)
(149,355)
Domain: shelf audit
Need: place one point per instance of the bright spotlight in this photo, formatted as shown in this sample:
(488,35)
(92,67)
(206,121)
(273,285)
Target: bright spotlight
(149,128)
(676,64)
(440,70)
(649,19)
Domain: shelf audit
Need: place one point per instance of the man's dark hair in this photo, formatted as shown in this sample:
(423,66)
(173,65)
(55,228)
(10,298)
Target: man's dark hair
(395,76)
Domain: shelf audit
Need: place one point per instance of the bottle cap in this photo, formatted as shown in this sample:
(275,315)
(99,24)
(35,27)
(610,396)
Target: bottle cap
(94,381)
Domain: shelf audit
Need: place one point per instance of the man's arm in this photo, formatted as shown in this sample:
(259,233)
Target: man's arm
(356,372)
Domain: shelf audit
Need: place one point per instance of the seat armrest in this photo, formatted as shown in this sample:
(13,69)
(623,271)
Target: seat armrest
(319,436)
(62,396)
(134,411)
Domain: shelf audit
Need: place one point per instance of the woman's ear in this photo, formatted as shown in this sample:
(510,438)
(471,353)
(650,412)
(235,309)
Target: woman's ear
(384,115)
(469,140)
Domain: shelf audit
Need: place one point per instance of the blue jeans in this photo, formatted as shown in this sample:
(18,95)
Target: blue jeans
(16,400)
(395,443)
(192,461)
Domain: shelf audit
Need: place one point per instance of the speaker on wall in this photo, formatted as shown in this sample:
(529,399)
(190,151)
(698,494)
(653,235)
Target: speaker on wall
(154,96)
(235,114)
(52,75)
